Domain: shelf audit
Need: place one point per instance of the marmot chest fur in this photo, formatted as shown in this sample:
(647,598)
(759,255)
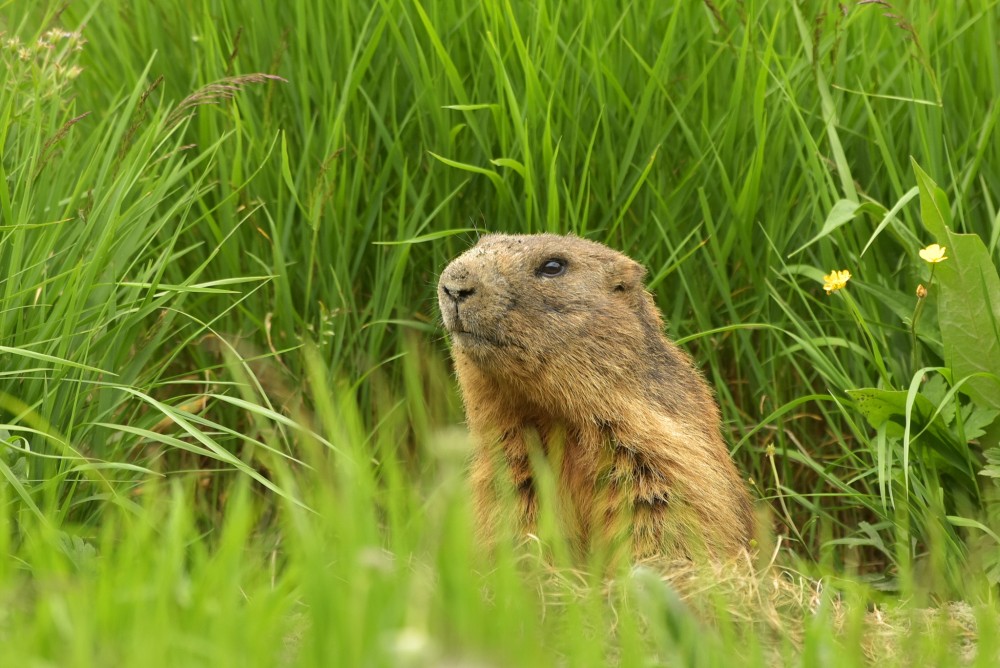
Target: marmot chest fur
(558,346)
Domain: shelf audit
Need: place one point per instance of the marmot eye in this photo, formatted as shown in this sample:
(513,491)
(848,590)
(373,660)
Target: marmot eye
(552,268)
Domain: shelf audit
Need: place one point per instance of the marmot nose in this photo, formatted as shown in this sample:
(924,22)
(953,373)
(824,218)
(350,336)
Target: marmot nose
(458,294)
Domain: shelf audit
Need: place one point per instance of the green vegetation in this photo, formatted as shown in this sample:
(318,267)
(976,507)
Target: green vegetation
(227,421)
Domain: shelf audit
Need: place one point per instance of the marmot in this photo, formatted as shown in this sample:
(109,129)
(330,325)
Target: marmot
(558,346)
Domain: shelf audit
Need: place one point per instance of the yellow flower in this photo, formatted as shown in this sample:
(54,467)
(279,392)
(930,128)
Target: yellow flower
(933,253)
(835,280)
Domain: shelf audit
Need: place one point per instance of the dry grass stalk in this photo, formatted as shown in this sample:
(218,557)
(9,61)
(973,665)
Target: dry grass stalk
(216,92)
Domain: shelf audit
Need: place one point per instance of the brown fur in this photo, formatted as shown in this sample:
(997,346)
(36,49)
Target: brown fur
(576,367)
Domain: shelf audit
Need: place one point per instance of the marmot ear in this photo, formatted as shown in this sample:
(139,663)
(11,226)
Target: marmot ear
(627,275)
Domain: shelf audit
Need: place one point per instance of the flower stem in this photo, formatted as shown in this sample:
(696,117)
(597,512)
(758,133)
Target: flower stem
(914,349)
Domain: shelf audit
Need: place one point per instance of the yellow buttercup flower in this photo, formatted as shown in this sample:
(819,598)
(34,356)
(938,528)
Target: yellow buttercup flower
(933,253)
(835,280)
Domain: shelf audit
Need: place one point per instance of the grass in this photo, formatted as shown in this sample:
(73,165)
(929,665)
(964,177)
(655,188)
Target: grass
(227,421)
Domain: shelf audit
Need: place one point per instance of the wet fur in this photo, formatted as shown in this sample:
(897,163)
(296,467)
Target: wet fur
(577,366)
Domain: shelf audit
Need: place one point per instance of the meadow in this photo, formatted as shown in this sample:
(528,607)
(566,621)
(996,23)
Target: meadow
(229,431)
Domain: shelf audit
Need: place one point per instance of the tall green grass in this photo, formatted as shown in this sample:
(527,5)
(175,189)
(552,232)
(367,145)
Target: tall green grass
(224,397)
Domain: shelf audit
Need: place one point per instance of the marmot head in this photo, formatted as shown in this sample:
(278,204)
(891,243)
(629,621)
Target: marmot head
(541,309)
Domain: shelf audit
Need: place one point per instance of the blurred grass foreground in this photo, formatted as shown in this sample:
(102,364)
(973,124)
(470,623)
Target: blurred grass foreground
(229,433)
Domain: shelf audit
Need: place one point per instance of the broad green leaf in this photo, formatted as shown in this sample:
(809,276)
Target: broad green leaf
(992,468)
(975,420)
(968,303)
(888,408)
(936,390)
(969,315)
